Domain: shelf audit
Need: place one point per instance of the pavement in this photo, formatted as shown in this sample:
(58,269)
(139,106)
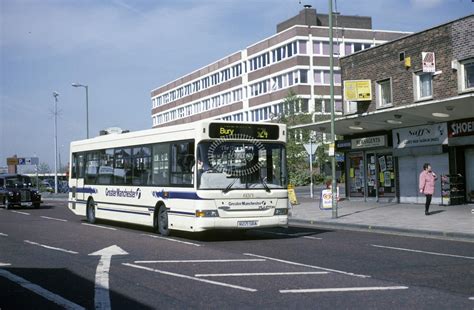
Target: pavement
(445,222)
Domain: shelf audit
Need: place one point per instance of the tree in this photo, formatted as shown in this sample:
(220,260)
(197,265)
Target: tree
(43,168)
(297,157)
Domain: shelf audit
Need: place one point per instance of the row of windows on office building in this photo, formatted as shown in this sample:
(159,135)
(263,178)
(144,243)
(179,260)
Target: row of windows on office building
(274,56)
(199,106)
(276,83)
(204,83)
(161,164)
(272,112)
(321,77)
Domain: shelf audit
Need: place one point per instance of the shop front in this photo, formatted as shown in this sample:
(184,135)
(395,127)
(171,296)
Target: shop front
(370,168)
(415,146)
(461,151)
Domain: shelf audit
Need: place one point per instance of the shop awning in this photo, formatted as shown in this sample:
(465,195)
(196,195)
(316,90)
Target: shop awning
(421,113)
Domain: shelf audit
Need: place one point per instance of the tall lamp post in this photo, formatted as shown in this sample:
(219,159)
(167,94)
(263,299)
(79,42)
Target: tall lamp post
(333,135)
(87,104)
(55,95)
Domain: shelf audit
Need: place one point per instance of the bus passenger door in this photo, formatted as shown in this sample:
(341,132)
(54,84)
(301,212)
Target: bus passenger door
(76,184)
(79,189)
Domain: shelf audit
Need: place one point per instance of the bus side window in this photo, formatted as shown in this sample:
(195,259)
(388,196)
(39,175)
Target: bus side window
(182,161)
(74,166)
(81,166)
(141,166)
(106,167)
(123,167)
(161,164)
(92,167)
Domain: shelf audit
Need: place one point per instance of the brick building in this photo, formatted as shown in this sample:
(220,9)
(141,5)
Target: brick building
(250,84)
(421,111)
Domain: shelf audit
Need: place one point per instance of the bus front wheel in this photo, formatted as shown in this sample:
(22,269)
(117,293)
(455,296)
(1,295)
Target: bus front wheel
(162,221)
(91,211)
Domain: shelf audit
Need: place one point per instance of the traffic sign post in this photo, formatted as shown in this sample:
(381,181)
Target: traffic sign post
(311,149)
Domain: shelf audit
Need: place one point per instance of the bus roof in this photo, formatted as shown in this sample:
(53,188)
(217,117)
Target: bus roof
(154,135)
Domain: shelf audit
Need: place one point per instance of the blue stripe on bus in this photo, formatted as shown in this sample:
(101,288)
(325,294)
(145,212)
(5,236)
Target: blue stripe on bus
(86,190)
(123,211)
(176,195)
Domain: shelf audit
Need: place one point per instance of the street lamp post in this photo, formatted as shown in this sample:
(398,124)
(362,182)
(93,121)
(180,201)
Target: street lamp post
(55,95)
(333,135)
(87,104)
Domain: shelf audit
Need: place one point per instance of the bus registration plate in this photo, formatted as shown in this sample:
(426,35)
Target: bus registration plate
(247,223)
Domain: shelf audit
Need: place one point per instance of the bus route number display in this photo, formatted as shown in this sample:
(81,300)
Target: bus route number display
(255,131)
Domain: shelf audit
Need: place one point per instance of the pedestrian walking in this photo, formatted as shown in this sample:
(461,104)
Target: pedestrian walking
(427,185)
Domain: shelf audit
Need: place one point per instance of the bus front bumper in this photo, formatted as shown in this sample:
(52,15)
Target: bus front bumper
(202,224)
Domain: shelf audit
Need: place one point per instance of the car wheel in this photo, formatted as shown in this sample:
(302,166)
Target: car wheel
(163,228)
(36,205)
(6,203)
(91,211)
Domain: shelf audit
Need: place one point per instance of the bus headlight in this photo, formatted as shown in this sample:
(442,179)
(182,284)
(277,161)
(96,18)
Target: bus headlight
(207,213)
(282,211)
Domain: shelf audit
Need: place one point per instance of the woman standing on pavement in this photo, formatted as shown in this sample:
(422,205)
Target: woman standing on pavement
(427,185)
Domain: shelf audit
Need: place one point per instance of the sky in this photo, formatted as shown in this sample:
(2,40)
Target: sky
(122,49)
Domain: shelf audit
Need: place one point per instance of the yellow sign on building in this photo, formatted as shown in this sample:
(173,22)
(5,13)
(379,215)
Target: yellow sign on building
(357,90)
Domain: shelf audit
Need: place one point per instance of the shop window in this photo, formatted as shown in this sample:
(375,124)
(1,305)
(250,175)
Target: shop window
(384,93)
(423,85)
(356,177)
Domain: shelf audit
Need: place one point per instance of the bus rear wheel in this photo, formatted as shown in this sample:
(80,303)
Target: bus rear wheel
(90,212)
(162,221)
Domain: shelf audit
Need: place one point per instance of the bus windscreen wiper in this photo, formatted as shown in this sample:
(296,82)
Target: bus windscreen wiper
(265,185)
(227,189)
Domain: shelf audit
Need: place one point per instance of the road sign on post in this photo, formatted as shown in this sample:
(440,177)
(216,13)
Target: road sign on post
(28,161)
(311,149)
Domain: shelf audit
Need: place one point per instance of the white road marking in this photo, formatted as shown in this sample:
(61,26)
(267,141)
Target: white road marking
(471,298)
(418,251)
(309,266)
(98,226)
(51,247)
(198,261)
(192,278)
(170,239)
(260,274)
(344,289)
(40,291)
(102,296)
(3,235)
(5,264)
(19,212)
(314,238)
(53,218)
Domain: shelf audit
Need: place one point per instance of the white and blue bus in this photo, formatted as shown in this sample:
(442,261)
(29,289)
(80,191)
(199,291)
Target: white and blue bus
(192,177)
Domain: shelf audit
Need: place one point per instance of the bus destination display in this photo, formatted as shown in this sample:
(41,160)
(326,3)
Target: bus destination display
(256,131)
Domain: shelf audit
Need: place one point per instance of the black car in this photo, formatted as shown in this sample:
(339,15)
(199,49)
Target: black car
(16,189)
